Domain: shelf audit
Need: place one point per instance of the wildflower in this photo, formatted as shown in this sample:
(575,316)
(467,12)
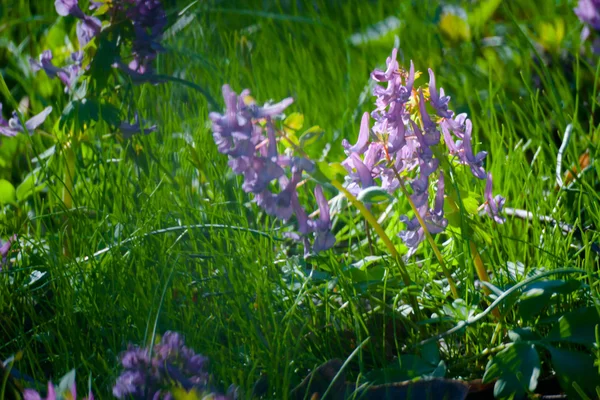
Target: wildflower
(128,130)
(245,132)
(172,366)
(401,145)
(13,126)
(68,75)
(588,12)
(493,205)
(71,393)
(4,249)
(87,27)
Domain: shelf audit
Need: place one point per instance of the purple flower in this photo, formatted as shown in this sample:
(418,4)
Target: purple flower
(172,365)
(30,394)
(246,133)
(4,249)
(588,12)
(466,154)
(493,205)
(128,130)
(87,27)
(68,75)
(13,126)
(439,101)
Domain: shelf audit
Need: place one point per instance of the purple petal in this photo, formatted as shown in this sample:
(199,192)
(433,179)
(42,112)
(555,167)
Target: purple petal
(37,120)
(366,180)
(363,137)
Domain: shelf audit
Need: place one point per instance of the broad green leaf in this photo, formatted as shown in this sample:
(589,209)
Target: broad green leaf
(293,122)
(311,136)
(8,194)
(573,366)
(522,334)
(516,368)
(482,13)
(537,295)
(471,205)
(326,172)
(578,326)
(374,194)
(31,184)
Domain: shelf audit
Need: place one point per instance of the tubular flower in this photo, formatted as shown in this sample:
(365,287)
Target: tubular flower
(246,133)
(401,144)
(172,365)
(13,126)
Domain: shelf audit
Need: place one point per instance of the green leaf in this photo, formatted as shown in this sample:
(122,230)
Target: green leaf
(573,366)
(374,194)
(293,122)
(537,295)
(516,368)
(311,136)
(578,326)
(66,382)
(482,13)
(326,172)
(471,205)
(8,194)
(30,185)
(523,335)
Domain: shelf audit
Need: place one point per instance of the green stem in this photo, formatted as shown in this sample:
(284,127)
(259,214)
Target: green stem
(428,235)
(67,196)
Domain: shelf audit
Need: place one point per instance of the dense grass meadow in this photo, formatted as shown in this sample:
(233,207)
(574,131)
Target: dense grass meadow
(122,223)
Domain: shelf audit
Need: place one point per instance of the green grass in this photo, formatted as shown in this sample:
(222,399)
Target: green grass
(241,295)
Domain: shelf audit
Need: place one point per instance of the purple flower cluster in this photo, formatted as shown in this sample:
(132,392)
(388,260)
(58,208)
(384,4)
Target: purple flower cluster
(247,134)
(13,126)
(68,75)
(171,364)
(148,20)
(30,394)
(404,143)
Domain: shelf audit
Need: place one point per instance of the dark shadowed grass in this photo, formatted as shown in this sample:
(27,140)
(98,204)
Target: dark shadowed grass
(172,242)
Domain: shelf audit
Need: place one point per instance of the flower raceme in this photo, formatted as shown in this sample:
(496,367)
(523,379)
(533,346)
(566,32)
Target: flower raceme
(405,145)
(171,367)
(247,134)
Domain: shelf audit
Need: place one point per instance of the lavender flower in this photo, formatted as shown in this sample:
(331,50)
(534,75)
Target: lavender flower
(13,126)
(128,130)
(172,365)
(68,75)
(493,205)
(4,249)
(588,12)
(253,153)
(87,27)
(405,143)
(30,394)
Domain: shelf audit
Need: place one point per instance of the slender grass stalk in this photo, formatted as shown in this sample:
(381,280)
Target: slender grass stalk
(482,273)
(67,195)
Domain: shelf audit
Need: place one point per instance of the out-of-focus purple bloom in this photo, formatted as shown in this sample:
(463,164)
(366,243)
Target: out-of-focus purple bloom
(68,75)
(13,126)
(128,130)
(87,27)
(4,249)
(466,153)
(252,150)
(493,205)
(30,394)
(588,12)
(172,365)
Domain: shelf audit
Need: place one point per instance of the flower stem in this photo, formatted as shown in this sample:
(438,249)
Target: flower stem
(67,195)
(482,273)
(428,235)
